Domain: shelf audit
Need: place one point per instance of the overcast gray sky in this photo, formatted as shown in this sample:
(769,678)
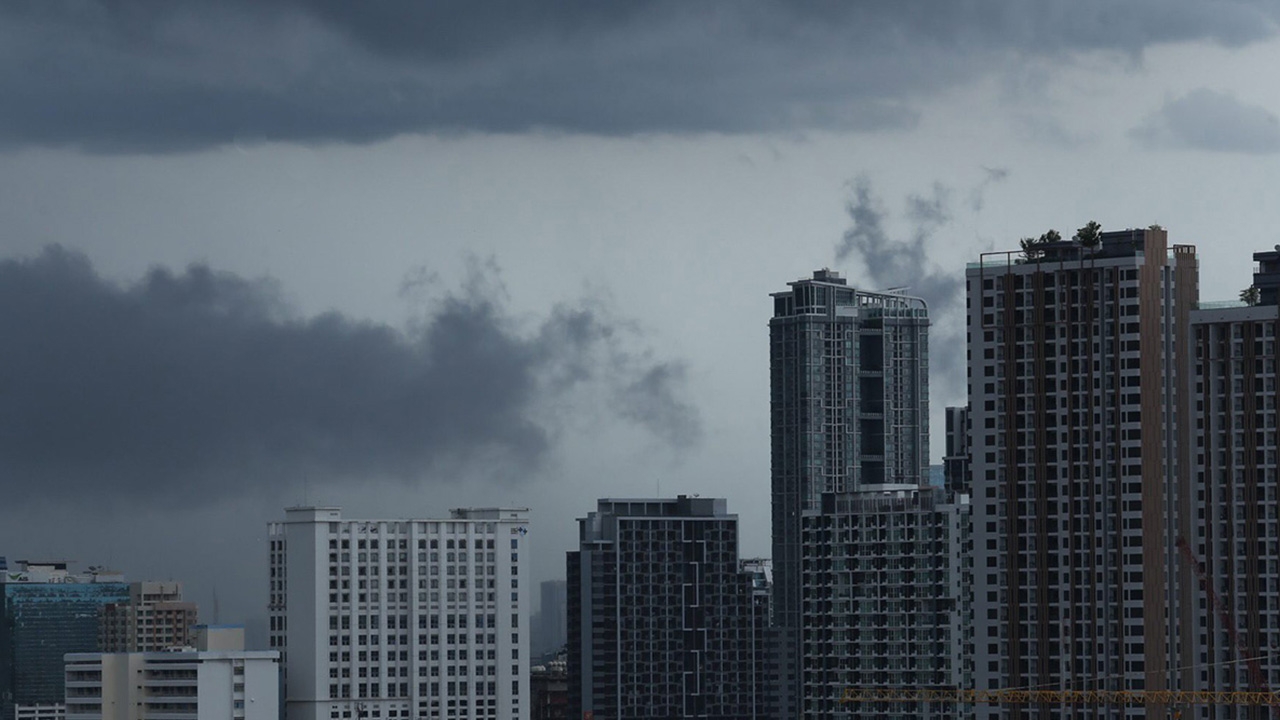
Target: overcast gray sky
(412,256)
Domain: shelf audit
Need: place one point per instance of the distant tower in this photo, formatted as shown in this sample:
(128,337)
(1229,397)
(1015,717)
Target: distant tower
(155,618)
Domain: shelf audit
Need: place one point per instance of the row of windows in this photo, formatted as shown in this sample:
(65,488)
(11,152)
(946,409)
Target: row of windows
(428,671)
(390,690)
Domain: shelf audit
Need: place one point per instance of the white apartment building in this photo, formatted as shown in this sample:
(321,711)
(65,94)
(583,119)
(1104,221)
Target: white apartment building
(397,619)
(193,683)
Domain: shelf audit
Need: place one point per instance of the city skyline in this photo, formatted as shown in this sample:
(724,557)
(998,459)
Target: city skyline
(603,195)
(1056,336)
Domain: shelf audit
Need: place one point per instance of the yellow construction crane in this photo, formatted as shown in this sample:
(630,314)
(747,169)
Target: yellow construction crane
(1062,697)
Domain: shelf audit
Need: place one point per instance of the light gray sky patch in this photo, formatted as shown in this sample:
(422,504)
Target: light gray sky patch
(1205,119)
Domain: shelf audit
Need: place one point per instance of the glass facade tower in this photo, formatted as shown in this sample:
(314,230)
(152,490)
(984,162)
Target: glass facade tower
(849,412)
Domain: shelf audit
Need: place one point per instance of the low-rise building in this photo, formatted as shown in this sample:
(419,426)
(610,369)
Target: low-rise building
(216,680)
(549,690)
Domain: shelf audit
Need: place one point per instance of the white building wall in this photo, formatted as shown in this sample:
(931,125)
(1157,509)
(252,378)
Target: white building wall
(365,631)
(215,688)
(126,686)
(40,712)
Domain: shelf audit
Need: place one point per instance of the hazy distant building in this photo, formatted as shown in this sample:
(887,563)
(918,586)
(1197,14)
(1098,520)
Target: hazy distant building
(955,463)
(216,679)
(1077,409)
(663,623)
(45,613)
(1236,493)
(423,619)
(549,624)
(849,411)
(155,618)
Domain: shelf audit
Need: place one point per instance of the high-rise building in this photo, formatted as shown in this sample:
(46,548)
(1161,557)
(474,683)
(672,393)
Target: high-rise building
(663,622)
(955,463)
(1077,411)
(849,411)
(45,613)
(548,632)
(1236,492)
(887,588)
(155,618)
(216,679)
(422,619)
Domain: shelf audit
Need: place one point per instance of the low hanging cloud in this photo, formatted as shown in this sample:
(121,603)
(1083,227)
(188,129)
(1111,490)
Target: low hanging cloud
(908,261)
(135,76)
(201,384)
(900,261)
(1205,119)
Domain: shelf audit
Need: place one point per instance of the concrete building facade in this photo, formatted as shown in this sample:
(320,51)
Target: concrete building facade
(888,582)
(193,683)
(1077,416)
(423,619)
(155,618)
(1235,534)
(663,620)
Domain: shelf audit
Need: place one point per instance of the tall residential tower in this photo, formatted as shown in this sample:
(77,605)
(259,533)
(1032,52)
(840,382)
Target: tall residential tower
(849,412)
(1235,538)
(1077,416)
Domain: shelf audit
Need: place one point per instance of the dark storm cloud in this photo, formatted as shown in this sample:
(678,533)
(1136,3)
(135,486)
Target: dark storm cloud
(1208,120)
(202,384)
(128,75)
(978,193)
(909,262)
(654,400)
(900,262)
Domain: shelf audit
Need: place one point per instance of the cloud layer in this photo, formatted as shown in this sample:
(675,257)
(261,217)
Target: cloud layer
(906,261)
(202,383)
(1204,119)
(126,75)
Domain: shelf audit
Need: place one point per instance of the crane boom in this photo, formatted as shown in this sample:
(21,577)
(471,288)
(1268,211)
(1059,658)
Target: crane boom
(1225,614)
(1061,697)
